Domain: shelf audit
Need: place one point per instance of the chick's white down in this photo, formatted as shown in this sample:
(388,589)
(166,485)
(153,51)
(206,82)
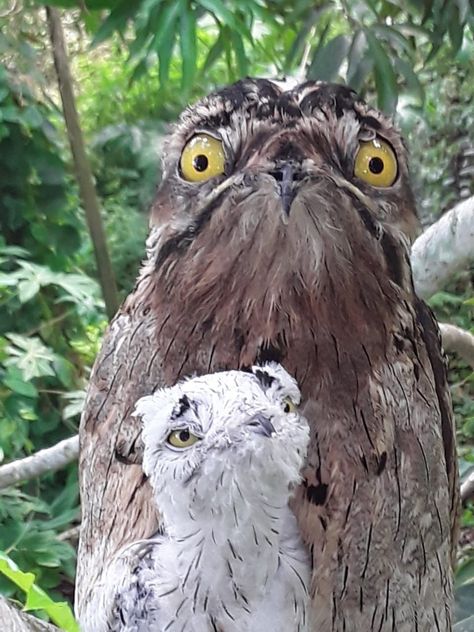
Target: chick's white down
(222,453)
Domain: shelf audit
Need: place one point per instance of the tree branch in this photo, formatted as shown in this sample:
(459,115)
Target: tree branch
(14,620)
(48,460)
(82,166)
(458,341)
(467,488)
(443,249)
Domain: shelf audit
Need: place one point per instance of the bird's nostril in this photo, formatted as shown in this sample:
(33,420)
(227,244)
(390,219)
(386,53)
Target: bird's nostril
(277,174)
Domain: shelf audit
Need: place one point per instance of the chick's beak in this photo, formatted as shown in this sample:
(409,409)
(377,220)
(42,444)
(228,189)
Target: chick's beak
(261,425)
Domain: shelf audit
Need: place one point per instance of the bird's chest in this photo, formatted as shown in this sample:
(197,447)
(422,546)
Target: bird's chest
(374,504)
(228,586)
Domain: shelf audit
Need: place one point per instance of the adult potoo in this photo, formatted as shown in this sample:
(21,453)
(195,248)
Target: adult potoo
(281,231)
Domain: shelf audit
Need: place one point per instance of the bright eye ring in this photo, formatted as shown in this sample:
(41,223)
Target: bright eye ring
(289,405)
(182,438)
(202,158)
(376,163)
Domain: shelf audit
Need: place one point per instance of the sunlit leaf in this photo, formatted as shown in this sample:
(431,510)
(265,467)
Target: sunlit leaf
(30,355)
(36,599)
(27,289)
(227,17)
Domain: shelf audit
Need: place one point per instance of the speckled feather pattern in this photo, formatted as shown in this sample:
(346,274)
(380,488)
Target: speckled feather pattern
(229,556)
(231,279)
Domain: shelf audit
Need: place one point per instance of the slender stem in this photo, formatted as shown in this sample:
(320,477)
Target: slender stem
(81,163)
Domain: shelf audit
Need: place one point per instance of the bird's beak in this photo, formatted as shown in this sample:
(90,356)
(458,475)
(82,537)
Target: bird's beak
(261,425)
(285,177)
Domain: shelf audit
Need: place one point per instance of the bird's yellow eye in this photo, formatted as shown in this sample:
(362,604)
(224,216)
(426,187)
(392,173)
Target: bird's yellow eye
(376,163)
(182,438)
(202,158)
(289,405)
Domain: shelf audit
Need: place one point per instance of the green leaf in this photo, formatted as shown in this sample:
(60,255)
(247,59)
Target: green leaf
(240,56)
(328,59)
(394,37)
(385,78)
(165,53)
(8,568)
(64,371)
(27,289)
(227,17)
(188,45)
(463,8)
(30,356)
(32,117)
(165,32)
(13,380)
(455,30)
(360,63)
(413,83)
(116,20)
(36,599)
(214,53)
(301,38)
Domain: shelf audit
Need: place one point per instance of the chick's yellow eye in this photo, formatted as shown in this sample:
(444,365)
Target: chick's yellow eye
(182,438)
(289,405)
(376,163)
(202,158)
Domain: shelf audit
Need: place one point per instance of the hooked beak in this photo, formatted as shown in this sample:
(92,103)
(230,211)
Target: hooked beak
(261,425)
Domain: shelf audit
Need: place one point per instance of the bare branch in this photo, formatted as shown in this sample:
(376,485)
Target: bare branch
(48,460)
(467,488)
(443,249)
(15,620)
(458,341)
(71,535)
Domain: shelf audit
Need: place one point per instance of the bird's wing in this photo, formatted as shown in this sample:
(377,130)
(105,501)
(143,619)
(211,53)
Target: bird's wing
(432,338)
(135,605)
(116,497)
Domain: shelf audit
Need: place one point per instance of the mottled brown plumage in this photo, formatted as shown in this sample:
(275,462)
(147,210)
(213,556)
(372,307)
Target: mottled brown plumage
(231,278)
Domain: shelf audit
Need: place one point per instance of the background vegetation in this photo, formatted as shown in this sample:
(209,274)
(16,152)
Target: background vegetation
(135,65)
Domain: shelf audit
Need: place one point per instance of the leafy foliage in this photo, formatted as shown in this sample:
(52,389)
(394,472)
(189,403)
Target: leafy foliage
(36,598)
(51,321)
(373,37)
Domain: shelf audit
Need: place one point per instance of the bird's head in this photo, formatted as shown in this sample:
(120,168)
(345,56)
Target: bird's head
(287,161)
(270,199)
(213,439)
